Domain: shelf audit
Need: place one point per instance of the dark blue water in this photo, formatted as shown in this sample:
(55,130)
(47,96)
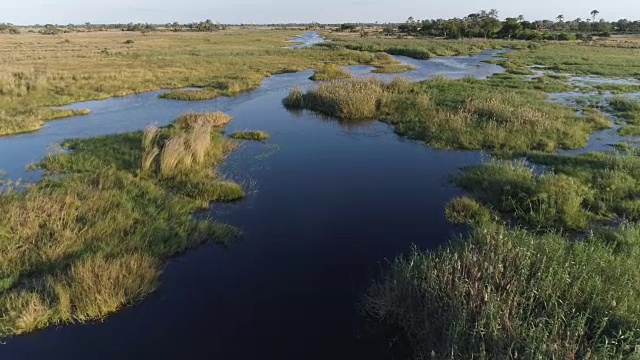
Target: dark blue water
(329,203)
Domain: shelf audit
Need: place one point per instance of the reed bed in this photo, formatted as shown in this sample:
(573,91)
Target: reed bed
(465,114)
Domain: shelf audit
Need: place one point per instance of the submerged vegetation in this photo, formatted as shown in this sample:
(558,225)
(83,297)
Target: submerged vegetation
(82,245)
(465,114)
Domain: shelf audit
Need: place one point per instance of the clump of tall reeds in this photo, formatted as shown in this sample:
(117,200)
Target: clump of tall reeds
(187,145)
(149,148)
(295,99)
(353,99)
(509,294)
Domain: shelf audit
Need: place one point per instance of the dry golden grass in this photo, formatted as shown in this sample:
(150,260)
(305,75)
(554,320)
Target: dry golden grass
(192,119)
(37,72)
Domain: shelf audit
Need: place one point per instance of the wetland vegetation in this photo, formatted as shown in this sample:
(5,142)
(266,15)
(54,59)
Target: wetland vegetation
(92,235)
(548,267)
(461,114)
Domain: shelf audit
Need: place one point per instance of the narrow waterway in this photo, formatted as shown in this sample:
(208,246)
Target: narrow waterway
(329,202)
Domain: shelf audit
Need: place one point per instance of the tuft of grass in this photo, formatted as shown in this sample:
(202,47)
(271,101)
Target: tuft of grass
(385,63)
(78,247)
(191,95)
(215,119)
(355,99)
(250,135)
(465,210)
(330,72)
(295,99)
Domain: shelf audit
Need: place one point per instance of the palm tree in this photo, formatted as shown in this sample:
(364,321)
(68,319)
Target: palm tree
(560,18)
(594,13)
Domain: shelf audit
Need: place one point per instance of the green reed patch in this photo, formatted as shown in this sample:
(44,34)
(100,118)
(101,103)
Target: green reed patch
(463,114)
(506,294)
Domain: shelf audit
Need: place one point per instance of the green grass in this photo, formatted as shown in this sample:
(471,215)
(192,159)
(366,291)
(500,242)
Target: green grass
(581,60)
(630,130)
(82,245)
(462,114)
(550,268)
(250,135)
(32,119)
(191,95)
(580,193)
(506,294)
(330,72)
(419,48)
(385,63)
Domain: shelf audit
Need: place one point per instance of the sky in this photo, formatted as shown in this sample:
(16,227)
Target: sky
(29,12)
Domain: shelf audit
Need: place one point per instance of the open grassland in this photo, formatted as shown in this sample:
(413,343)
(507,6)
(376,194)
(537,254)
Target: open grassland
(462,114)
(92,236)
(39,72)
(550,269)
(580,59)
(420,48)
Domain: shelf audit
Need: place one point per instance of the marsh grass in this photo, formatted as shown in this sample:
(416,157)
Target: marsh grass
(191,95)
(330,72)
(385,63)
(39,73)
(506,294)
(250,135)
(577,193)
(419,48)
(295,99)
(463,114)
(80,246)
(582,60)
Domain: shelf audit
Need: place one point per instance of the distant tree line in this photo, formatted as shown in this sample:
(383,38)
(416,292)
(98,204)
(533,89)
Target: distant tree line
(486,24)
(9,28)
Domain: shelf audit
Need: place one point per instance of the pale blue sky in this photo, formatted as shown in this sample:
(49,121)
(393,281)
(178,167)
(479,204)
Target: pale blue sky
(24,12)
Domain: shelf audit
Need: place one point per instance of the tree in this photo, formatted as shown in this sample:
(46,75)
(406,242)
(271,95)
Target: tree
(594,13)
(489,22)
(560,18)
(510,27)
